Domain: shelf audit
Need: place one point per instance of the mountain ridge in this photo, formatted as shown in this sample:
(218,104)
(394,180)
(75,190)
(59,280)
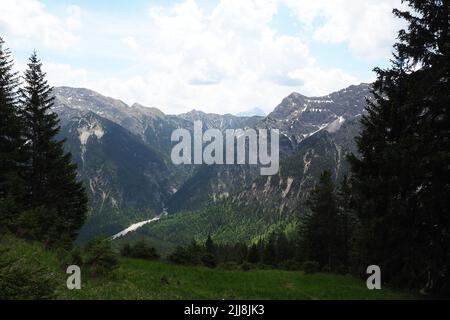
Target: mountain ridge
(186,187)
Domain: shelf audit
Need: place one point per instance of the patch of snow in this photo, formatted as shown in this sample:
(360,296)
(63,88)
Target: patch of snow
(335,125)
(134,227)
(321,127)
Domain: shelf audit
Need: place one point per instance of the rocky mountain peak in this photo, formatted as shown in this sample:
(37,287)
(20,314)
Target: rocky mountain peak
(299,116)
(148,111)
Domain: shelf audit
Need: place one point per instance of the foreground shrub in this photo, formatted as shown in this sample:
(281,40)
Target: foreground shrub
(342,269)
(230,265)
(39,224)
(190,255)
(245,266)
(22,273)
(69,257)
(139,250)
(310,267)
(99,257)
(180,256)
(209,260)
(290,265)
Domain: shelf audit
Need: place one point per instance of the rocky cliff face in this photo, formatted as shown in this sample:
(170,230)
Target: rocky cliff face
(286,192)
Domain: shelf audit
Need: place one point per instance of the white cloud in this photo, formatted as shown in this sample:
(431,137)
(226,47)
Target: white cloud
(227,59)
(73,20)
(130,42)
(23,21)
(368,27)
(224,61)
(61,74)
(320,80)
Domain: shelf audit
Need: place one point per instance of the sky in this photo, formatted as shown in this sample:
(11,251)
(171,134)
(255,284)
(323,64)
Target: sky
(221,56)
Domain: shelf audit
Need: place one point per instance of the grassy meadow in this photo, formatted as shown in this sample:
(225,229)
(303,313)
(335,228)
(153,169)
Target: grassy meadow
(142,279)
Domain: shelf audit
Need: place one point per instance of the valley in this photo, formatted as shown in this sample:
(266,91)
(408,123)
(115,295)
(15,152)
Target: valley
(123,157)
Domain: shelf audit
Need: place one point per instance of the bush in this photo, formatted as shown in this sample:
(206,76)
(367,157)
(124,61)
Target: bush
(38,224)
(326,269)
(262,266)
(8,211)
(140,250)
(289,265)
(24,278)
(310,267)
(209,260)
(125,251)
(230,265)
(76,257)
(187,256)
(180,256)
(342,270)
(99,257)
(68,258)
(245,266)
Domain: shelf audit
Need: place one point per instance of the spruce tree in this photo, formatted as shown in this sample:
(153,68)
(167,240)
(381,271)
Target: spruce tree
(320,237)
(401,176)
(284,252)
(11,142)
(253,254)
(56,201)
(380,173)
(209,258)
(210,247)
(347,221)
(269,256)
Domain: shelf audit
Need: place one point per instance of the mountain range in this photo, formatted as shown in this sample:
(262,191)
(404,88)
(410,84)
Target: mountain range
(123,157)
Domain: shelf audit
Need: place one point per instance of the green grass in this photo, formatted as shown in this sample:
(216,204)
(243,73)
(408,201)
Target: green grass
(138,279)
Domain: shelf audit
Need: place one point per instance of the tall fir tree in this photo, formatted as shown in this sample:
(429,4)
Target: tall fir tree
(284,249)
(11,141)
(209,257)
(56,201)
(401,176)
(253,254)
(320,237)
(269,256)
(348,222)
(380,175)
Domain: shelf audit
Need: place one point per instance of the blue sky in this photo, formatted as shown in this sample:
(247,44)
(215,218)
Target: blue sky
(215,55)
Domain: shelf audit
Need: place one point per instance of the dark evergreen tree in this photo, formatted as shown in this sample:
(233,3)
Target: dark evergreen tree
(348,222)
(51,176)
(100,257)
(253,254)
(240,252)
(321,240)
(401,177)
(180,255)
(210,247)
(140,250)
(269,256)
(380,174)
(209,257)
(195,251)
(11,141)
(284,252)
